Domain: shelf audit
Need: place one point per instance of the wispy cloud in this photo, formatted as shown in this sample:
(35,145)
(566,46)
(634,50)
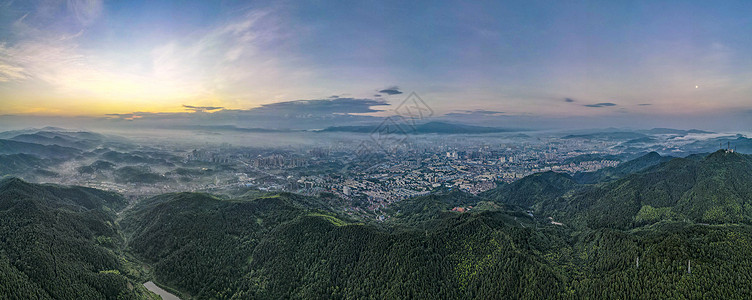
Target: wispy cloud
(85,11)
(9,71)
(602,104)
(233,60)
(644,104)
(570,100)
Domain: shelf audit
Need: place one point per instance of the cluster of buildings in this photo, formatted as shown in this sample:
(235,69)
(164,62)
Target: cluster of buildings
(418,170)
(415,169)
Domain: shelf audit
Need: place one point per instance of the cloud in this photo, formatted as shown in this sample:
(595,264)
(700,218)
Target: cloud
(602,104)
(8,70)
(85,11)
(377,95)
(202,108)
(644,104)
(570,100)
(233,59)
(297,114)
(391,91)
(321,107)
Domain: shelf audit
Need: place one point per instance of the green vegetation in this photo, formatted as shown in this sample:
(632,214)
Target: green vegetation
(201,244)
(532,189)
(60,243)
(713,190)
(624,169)
(671,216)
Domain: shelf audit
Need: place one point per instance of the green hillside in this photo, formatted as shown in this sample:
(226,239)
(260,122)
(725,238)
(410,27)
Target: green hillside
(685,220)
(623,169)
(532,189)
(714,190)
(201,244)
(61,243)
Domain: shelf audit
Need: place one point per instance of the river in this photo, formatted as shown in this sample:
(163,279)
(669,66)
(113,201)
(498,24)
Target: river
(159,291)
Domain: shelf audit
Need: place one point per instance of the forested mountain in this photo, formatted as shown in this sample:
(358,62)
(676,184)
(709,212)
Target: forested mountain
(641,236)
(712,190)
(532,189)
(202,244)
(78,140)
(45,151)
(20,163)
(621,170)
(61,243)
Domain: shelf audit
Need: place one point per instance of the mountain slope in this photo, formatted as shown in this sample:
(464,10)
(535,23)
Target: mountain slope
(488,254)
(61,243)
(711,190)
(78,140)
(21,163)
(621,170)
(192,237)
(44,151)
(532,189)
(271,246)
(463,256)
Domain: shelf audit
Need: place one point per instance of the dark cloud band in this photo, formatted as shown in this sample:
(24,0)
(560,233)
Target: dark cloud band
(391,91)
(602,104)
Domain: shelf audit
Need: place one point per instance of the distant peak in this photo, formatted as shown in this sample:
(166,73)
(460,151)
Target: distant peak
(10,181)
(723,154)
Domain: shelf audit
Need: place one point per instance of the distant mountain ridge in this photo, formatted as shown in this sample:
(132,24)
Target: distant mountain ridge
(45,151)
(676,131)
(635,136)
(625,135)
(78,140)
(737,143)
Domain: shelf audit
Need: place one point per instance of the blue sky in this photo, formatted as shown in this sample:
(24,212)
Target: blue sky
(641,58)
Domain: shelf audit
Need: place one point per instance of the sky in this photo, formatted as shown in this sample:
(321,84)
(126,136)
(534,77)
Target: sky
(522,61)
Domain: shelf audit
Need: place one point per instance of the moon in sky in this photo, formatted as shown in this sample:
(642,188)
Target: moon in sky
(697,86)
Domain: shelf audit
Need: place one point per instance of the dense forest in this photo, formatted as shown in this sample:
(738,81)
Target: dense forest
(653,228)
(61,243)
